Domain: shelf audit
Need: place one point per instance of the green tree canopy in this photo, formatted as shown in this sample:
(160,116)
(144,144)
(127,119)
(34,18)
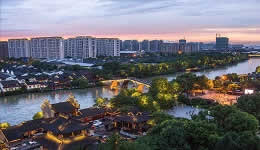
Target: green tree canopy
(4,125)
(38,115)
(257,69)
(250,104)
(241,141)
(229,118)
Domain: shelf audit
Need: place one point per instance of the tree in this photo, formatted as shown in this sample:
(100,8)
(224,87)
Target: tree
(101,102)
(170,134)
(241,141)
(4,125)
(112,143)
(186,81)
(125,98)
(159,117)
(162,92)
(38,115)
(229,118)
(241,121)
(257,69)
(159,85)
(203,82)
(201,134)
(250,104)
(80,83)
(127,145)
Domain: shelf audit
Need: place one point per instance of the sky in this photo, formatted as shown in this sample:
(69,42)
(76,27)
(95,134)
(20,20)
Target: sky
(194,20)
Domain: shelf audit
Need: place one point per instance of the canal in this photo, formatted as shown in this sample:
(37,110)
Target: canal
(15,109)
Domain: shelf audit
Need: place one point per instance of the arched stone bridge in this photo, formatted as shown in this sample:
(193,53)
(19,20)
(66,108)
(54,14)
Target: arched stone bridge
(141,84)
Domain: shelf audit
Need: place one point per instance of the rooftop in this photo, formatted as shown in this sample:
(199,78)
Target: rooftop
(63,107)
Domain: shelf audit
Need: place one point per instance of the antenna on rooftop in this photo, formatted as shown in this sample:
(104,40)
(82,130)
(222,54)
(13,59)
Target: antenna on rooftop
(218,35)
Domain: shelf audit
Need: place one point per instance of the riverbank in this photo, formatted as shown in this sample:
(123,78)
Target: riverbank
(176,65)
(15,109)
(181,69)
(20,92)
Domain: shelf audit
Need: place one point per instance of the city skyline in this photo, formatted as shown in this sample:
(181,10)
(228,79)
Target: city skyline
(197,20)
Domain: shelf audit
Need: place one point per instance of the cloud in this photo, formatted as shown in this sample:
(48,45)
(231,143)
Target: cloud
(144,17)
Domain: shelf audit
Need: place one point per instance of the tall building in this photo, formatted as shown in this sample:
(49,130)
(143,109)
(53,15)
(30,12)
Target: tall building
(208,46)
(3,49)
(136,45)
(192,47)
(130,45)
(127,45)
(182,45)
(145,45)
(169,49)
(221,43)
(18,48)
(80,47)
(121,45)
(108,47)
(47,47)
(156,45)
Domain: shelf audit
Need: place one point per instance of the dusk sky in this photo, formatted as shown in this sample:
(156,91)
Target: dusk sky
(196,20)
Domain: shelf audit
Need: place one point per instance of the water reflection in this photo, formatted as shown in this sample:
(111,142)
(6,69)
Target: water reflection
(184,111)
(240,68)
(15,109)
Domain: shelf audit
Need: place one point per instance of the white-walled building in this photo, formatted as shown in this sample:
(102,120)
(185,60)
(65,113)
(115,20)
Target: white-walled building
(108,47)
(47,47)
(18,48)
(80,47)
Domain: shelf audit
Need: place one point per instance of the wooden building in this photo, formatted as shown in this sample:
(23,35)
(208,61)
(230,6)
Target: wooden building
(66,109)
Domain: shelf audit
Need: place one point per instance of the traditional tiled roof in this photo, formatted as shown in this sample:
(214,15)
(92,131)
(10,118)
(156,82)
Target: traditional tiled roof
(63,107)
(72,126)
(63,126)
(55,125)
(133,119)
(89,112)
(86,143)
(17,132)
(10,83)
(3,76)
(34,83)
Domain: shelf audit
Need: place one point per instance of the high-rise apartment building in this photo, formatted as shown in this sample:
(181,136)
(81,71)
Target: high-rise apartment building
(168,49)
(80,47)
(18,48)
(108,47)
(192,47)
(222,43)
(135,45)
(155,45)
(127,45)
(47,47)
(145,45)
(3,49)
(130,45)
(182,45)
